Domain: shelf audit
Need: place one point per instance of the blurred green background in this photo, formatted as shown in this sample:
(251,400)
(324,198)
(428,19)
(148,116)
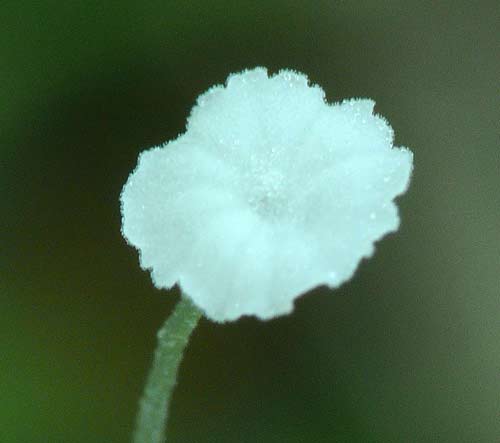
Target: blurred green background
(408,351)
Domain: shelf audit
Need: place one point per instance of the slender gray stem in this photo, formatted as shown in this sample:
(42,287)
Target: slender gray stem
(154,405)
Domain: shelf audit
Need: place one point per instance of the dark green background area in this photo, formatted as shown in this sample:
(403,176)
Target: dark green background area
(408,351)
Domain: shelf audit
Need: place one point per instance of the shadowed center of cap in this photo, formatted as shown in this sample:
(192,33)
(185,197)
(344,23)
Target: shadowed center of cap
(268,196)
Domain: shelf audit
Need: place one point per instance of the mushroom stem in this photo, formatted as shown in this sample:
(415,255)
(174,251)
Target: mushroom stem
(154,404)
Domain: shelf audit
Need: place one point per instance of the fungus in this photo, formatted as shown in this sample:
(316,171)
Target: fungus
(270,192)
